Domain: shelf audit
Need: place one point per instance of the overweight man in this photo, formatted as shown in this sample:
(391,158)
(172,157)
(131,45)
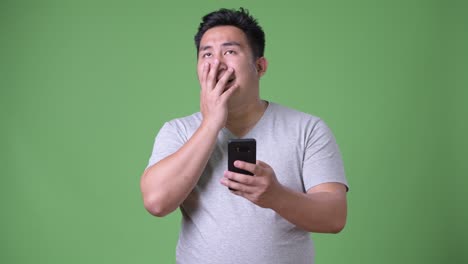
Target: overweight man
(298,184)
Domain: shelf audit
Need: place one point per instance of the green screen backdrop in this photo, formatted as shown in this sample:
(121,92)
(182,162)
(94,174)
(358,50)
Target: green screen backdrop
(86,85)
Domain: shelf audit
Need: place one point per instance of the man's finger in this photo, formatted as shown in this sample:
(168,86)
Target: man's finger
(227,94)
(239,177)
(211,79)
(221,84)
(204,75)
(253,168)
(236,187)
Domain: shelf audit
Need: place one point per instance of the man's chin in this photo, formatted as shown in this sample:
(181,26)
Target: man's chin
(236,101)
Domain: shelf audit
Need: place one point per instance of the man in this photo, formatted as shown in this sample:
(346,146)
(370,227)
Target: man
(298,184)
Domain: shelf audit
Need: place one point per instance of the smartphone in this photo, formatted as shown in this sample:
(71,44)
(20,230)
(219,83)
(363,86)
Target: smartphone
(241,149)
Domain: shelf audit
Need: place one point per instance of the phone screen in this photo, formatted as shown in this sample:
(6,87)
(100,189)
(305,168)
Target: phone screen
(241,149)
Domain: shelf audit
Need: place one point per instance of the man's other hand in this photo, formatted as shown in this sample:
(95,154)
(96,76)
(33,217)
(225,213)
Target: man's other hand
(262,189)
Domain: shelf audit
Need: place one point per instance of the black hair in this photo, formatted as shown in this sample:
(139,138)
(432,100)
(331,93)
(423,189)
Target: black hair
(237,18)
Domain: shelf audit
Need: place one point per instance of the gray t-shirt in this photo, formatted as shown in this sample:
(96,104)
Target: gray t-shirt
(220,227)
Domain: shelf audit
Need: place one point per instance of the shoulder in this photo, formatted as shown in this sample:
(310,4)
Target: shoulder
(193,119)
(184,125)
(292,121)
(293,116)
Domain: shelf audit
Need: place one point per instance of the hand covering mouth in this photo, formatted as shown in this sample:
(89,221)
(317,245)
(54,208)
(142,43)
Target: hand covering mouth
(229,81)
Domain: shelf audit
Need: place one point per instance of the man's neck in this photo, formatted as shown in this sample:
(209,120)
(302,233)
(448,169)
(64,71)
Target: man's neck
(242,119)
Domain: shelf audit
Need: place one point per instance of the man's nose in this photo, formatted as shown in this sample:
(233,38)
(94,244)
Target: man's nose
(222,64)
(222,67)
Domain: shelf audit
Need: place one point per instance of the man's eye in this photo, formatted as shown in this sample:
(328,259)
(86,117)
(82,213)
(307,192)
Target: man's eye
(206,55)
(230,52)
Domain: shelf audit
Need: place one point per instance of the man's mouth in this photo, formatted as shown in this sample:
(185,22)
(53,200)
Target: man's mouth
(230,81)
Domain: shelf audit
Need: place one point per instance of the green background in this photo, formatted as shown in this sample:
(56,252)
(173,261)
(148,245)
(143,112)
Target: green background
(86,85)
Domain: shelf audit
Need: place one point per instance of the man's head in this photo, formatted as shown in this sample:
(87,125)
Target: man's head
(240,19)
(229,40)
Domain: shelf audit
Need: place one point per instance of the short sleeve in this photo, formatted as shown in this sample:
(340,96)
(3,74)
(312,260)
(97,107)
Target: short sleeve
(167,141)
(322,158)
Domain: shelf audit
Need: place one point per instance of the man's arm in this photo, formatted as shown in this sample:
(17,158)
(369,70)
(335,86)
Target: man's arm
(166,184)
(322,209)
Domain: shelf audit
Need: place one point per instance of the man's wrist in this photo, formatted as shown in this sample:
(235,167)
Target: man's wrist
(280,199)
(208,128)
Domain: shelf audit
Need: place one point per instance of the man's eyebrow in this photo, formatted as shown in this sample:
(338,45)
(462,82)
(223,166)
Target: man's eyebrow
(231,43)
(202,48)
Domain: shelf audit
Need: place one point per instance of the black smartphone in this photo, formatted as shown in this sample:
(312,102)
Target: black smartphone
(241,149)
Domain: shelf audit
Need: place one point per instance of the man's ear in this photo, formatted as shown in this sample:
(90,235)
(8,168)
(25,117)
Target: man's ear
(262,65)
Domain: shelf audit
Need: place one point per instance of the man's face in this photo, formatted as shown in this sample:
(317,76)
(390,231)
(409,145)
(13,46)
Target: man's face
(229,45)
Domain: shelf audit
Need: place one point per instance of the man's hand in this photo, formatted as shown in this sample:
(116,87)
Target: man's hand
(262,188)
(322,209)
(214,96)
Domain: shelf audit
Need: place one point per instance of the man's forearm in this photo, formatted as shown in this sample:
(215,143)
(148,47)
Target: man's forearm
(321,212)
(166,184)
